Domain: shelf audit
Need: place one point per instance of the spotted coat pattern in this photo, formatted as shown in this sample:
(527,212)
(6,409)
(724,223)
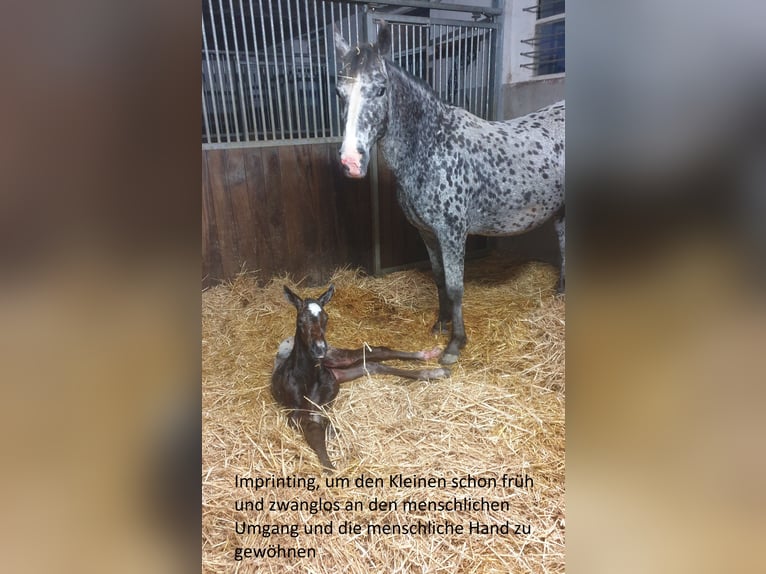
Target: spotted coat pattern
(456,173)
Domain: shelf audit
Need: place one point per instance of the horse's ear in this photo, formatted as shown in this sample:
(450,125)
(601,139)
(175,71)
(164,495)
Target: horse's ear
(341,46)
(325,297)
(384,39)
(293,298)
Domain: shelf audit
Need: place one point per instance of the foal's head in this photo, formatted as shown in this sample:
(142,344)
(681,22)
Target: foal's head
(362,84)
(312,321)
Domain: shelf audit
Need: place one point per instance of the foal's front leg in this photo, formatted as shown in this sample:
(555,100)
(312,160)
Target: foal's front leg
(341,358)
(343,375)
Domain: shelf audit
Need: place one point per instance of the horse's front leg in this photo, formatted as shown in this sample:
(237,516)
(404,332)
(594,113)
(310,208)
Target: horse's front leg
(453,251)
(560,225)
(437,266)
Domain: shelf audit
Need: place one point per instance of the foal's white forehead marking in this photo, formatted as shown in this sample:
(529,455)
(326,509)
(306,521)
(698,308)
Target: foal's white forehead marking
(315,309)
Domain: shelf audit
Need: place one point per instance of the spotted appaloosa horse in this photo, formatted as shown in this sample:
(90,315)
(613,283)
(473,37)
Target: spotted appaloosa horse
(308,372)
(456,174)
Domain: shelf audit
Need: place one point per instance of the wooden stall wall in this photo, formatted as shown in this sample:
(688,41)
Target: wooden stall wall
(289,209)
(282,209)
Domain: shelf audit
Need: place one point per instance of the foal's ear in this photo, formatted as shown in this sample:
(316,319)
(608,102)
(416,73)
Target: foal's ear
(384,39)
(341,46)
(325,297)
(293,298)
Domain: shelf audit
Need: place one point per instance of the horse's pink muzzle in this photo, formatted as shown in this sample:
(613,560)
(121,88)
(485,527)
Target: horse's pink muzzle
(353,164)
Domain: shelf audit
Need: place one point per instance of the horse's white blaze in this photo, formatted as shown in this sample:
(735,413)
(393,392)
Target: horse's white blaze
(350,143)
(315,309)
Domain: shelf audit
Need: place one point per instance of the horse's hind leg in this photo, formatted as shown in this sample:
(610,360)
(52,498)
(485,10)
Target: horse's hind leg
(351,373)
(560,226)
(350,357)
(437,266)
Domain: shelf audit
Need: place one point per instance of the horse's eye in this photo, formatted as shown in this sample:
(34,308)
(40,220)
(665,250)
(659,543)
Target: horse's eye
(381,91)
(339,92)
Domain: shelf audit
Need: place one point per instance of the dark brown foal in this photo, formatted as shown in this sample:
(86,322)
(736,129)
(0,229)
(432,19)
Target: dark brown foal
(308,372)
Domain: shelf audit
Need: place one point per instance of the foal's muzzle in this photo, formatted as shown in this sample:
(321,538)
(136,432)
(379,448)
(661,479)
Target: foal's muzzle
(318,350)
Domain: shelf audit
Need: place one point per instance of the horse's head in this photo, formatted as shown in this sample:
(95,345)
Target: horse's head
(362,84)
(312,321)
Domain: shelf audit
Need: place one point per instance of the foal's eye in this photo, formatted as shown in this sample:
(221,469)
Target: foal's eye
(381,91)
(338,92)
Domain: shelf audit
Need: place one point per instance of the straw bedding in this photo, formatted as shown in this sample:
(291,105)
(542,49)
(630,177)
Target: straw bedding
(500,413)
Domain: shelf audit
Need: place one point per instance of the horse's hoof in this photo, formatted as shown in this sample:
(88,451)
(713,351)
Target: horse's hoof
(448,359)
(440,328)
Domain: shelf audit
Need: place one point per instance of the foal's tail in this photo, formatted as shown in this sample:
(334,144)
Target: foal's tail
(314,433)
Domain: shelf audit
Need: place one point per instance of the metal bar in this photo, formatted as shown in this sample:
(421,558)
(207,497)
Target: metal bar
(424,48)
(469,73)
(249,71)
(356,23)
(242,106)
(210,84)
(435,34)
(301,129)
(485,10)
(295,73)
(442,61)
(205,122)
(231,76)
(405,62)
(475,72)
(497,63)
(288,103)
(491,42)
(374,179)
(461,66)
(303,73)
(404,19)
(274,143)
(348,23)
(276,79)
(319,76)
(220,74)
(550,19)
(485,73)
(311,119)
(272,117)
(327,39)
(262,104)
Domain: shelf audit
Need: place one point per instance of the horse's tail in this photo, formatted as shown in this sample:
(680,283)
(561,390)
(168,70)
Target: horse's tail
(314,433)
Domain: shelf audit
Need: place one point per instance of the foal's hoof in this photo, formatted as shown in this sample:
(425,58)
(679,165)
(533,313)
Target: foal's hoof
(448,359)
